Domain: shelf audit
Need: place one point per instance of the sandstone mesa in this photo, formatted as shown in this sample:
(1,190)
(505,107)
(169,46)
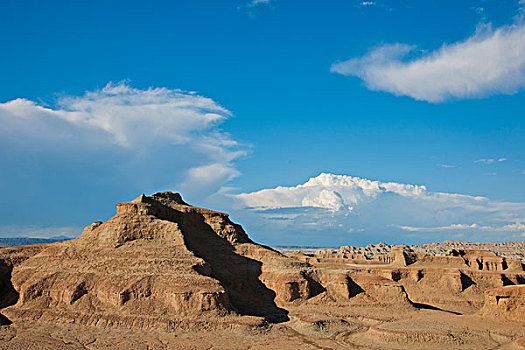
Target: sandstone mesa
(162,274)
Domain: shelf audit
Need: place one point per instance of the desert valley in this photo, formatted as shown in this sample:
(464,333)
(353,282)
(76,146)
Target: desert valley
(162,274)
(287,175)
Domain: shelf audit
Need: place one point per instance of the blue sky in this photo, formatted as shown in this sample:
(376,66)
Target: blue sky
(101,101)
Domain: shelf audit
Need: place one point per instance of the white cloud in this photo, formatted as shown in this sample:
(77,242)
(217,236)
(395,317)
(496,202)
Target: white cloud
(342,192)
(478,10)
(328,191)
(258,2)
(439,228)
(157,128)
(251,7)
(518,226)
(368,3)
(447,166)
(490,62)
(334,202)
(490,160)
(207,178)
(515,227)
(127,117)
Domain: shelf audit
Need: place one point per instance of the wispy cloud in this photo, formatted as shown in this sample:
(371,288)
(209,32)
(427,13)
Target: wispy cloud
(342,203)
(447,166)
(173,131)
(251,6)
(517,226)
(439,228)
(254,3)
(490,62)
(490,160)
(381,5)
(478,10)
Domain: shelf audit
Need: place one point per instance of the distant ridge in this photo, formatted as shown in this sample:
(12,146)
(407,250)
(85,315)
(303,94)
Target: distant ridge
(510,250)
(20,241)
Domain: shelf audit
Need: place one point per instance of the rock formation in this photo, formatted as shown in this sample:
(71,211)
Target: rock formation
(508,250)
(505,302)
(157,261)
(194,279)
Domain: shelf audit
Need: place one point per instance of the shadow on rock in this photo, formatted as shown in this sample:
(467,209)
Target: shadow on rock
(432,307)
(238,275)
(8,294)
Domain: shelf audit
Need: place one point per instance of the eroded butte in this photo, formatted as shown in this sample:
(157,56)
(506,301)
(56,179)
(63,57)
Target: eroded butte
(162,274)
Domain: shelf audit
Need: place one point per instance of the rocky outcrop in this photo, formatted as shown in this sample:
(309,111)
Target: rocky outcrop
(485,260)
(9,258)
(509,250)
(453,282)
(157,260)
(505,302)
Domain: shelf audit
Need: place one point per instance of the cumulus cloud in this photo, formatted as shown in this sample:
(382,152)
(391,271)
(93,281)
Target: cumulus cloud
(172,132)
(342,203)
(490,62)
(124,116)
(339,192)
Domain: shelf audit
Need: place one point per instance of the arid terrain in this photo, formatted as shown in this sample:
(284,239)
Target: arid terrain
(162,274)
(509,250)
